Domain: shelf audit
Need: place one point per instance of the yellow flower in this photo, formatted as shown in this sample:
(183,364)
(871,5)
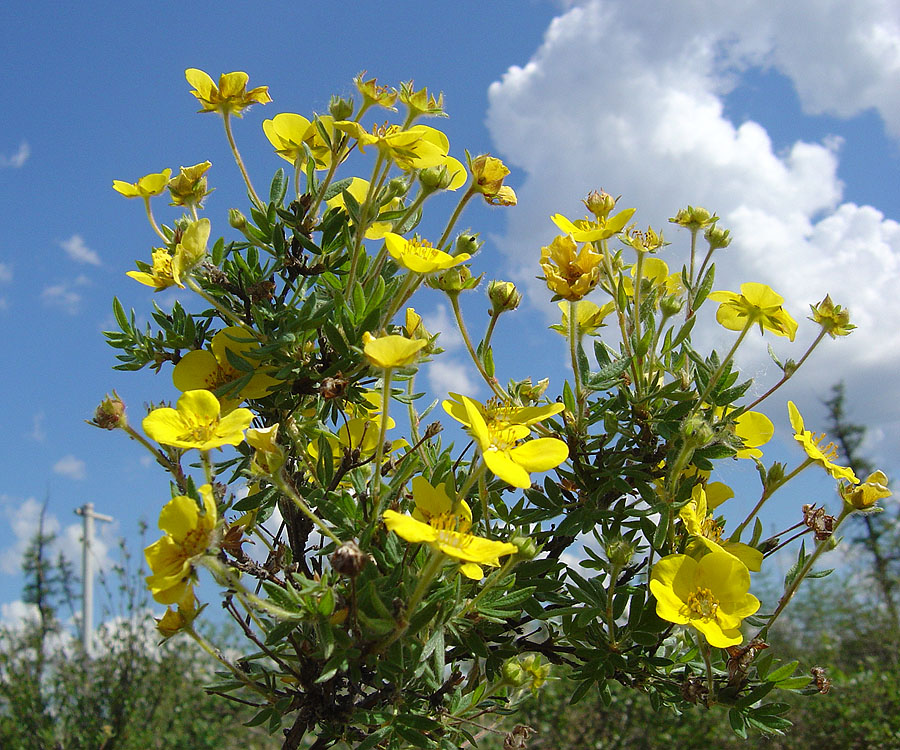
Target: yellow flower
(388,352)
(570,273)
(501,441)
(488,174)
(444,526)
(159,275)
(812,444)
(755,429)
(359,189)
(417,147)
(196,423)
(499,415)
(230,96)
(146,187)
(176,620)
(212,369)
(588,316)
(289,133)
(188,535)
(189,187)
(191,250)
(587,230)
(372,93)
(757,303)
(710,594)
(706,531)
(419,256)
(864,497)
(268,456)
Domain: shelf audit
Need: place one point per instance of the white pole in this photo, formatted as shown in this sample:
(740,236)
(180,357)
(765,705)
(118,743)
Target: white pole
(86,511)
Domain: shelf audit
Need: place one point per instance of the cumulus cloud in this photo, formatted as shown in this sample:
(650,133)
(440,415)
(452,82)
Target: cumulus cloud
(17,159)
(629,96)
(446,372)
(38,433)
(78,251)
(71,467)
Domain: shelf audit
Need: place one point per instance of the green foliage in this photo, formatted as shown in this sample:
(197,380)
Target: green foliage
(412,583)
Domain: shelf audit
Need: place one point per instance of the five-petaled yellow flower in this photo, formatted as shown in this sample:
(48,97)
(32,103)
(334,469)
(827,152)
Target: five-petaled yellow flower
(391,351)
(289,133)
(592,230)
(159,274)
(146,187)
(710,594)
(359,189)
(570,273)
(168,269)
(812,443)
(230,96)
(211,369)
(501,443)
(757,303)
(419,256)
(196,423)
(444,526)
(188,535)
(706,531)
(417,147)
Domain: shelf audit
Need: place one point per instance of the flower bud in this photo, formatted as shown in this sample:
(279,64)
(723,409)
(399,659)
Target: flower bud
(237,220)
(503,296)
(340,108)
(834,319)
(671,305)
(697,431)
(467,243)
(619,552)
(396,188)
(526,545)
(513,673)
(110,414)
(528,393)
(348,559)
(268,457)
(453,280)
(435,178)
(694,218)
(599,203)
(717,238)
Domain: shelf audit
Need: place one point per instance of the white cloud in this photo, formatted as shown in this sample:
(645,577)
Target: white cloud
(448,375)
(71,467)
(23,520)
(440,320)
(38,433)
(78,251)
(17,159)
(16,614)
(6,273)
(62,296)
(628,96)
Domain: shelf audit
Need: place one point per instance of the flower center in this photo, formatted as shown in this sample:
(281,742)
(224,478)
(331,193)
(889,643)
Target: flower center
(194,542)
(200,430)
(451,529)
(422,249)
(701,604)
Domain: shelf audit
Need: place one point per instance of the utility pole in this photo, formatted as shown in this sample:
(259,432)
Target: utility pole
(86,511)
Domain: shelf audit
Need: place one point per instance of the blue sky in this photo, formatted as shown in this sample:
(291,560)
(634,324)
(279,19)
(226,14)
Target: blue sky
(782,120)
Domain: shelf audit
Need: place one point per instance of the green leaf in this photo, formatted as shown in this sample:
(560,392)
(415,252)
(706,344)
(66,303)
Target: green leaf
(783,672)
(279,188)
(705,286)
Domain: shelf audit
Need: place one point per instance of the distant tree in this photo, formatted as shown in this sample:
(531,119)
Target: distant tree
(133,695)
